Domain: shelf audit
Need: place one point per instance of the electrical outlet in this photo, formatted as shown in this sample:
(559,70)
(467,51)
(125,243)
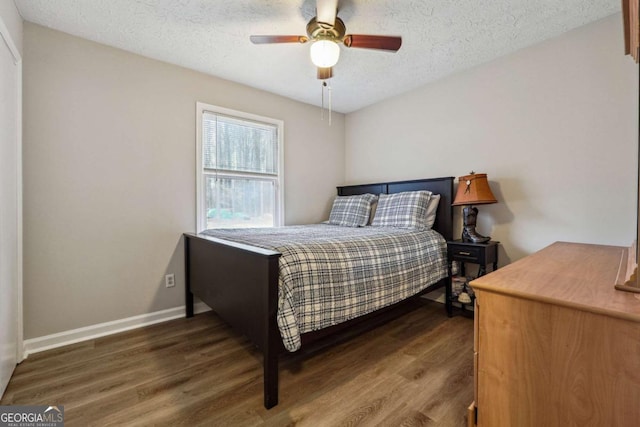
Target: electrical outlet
(170,280)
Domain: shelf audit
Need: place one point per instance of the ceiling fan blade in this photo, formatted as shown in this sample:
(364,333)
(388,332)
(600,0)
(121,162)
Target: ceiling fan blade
(278,39)
(325,73)
(326,11)
(373,42)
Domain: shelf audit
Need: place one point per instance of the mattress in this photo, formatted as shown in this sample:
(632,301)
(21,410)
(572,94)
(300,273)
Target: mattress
(330,274)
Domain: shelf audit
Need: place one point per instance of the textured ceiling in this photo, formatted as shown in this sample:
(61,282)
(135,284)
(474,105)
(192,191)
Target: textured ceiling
(440,37)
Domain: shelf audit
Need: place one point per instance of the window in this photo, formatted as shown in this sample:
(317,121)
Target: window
(239,169)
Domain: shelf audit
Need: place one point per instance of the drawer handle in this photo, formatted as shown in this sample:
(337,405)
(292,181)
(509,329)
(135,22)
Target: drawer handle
(464,253)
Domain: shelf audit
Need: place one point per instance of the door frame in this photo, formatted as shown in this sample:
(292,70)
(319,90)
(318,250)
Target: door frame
(17,60)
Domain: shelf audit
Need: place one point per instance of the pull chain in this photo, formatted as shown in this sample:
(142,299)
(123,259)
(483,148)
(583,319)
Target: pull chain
(329,89)
(325,85)
(322,107)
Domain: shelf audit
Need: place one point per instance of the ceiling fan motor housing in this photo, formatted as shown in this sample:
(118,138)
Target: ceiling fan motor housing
(323,31)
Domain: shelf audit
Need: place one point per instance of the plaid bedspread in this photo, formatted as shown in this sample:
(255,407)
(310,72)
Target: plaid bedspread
(330,274)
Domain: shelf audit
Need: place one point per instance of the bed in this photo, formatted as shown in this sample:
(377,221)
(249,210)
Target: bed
(240,281)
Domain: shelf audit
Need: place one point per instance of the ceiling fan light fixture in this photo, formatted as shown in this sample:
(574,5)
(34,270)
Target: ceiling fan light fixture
(325,53)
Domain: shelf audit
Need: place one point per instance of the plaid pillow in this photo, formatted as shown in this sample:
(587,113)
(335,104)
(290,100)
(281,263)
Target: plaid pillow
(403,210)
(351,211)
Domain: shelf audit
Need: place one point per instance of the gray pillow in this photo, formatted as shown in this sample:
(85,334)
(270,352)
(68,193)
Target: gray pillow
(403,210)
(351,211)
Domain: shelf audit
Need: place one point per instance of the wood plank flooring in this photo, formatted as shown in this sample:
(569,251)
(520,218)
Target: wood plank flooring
(416,370)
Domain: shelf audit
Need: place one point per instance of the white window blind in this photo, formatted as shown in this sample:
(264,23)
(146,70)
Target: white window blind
(239,164)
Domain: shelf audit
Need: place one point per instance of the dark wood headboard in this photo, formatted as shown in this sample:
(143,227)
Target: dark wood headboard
(442,186)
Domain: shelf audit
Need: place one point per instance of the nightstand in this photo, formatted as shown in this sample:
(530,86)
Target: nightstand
(482,254)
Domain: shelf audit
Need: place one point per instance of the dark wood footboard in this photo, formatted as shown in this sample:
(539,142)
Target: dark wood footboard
(240,282)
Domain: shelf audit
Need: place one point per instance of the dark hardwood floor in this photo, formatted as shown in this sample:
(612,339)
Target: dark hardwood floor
(416,370)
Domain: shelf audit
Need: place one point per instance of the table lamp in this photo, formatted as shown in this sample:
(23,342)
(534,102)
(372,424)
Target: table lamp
(473,189)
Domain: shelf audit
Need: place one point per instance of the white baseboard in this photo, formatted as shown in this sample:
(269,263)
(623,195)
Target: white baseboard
(60,339)
(48,342)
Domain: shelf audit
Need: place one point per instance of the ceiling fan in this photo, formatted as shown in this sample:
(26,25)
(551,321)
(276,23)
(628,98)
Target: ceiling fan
(325,32)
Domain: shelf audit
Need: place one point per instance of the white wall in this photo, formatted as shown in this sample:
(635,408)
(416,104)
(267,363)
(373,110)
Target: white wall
(554,126)
(109,166)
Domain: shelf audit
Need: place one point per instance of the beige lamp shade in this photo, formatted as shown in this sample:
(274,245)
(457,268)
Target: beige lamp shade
(474,190)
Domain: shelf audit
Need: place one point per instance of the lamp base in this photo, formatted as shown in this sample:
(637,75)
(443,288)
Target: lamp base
(469,234)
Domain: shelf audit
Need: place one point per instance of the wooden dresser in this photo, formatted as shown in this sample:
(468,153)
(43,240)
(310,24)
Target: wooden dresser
(555,343)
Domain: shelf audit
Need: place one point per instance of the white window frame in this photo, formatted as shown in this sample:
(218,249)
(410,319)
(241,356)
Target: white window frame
(201,108)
